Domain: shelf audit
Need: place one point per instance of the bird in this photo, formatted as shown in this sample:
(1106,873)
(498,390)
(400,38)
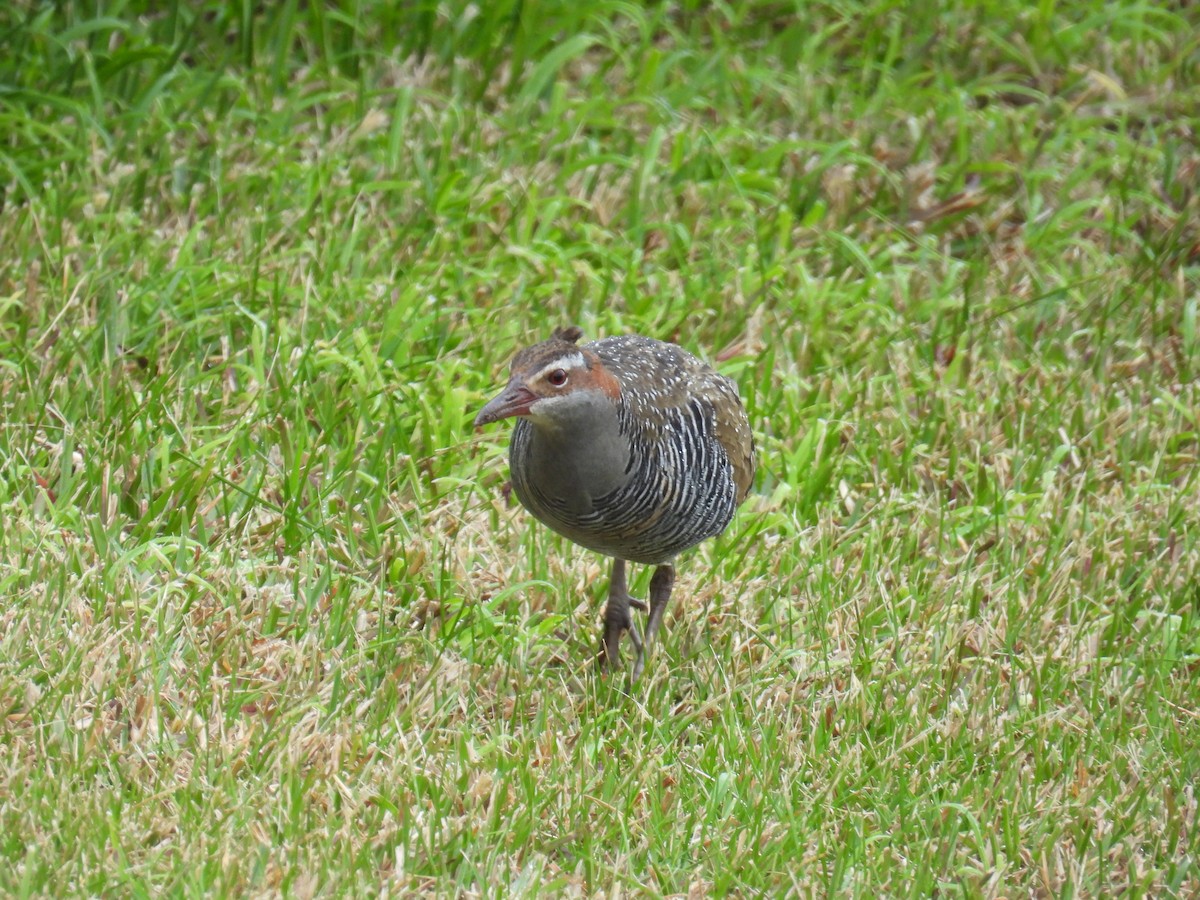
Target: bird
(628,446)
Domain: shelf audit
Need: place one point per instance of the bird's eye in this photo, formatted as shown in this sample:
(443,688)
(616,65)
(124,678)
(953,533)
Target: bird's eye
(557,378)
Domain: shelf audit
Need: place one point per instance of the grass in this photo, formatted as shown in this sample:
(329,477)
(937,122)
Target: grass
(270,625)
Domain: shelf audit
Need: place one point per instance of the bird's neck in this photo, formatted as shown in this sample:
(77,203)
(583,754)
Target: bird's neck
(580,452)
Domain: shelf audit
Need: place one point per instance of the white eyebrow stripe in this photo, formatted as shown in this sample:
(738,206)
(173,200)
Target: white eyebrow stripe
(573,361)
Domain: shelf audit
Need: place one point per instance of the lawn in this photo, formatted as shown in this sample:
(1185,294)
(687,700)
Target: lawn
(271,623)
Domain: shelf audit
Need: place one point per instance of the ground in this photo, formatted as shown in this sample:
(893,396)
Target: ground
(271,623)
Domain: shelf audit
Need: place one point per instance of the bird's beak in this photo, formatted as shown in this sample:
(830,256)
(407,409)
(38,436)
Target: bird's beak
(514,400)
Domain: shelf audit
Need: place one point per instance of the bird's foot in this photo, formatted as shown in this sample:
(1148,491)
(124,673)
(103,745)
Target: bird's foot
(617,620)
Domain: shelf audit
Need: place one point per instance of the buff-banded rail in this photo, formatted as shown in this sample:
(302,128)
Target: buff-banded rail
(630,447)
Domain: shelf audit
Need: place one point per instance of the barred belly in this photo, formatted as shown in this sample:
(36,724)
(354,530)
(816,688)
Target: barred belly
(680,491)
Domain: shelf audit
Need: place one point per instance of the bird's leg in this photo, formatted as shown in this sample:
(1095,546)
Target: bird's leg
(660,593)
(617,619)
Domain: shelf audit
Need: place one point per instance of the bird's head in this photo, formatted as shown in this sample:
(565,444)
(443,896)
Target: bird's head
(551,381)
